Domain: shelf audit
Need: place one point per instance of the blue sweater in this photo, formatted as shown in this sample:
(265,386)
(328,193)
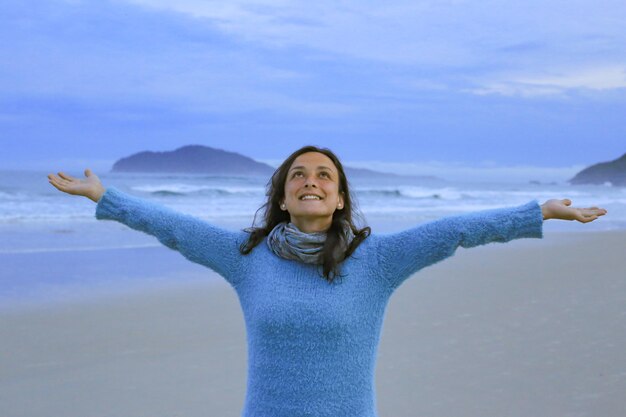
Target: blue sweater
(312,345)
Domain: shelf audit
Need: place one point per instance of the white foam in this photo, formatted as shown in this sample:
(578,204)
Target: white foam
(182,188)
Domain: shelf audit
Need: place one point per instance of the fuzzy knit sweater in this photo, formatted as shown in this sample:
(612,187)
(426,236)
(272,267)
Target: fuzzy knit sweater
(312,345)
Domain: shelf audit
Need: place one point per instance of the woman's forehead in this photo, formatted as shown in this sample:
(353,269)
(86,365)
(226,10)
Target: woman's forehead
(313,160)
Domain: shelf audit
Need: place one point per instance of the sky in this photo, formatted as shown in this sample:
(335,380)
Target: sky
(491,84)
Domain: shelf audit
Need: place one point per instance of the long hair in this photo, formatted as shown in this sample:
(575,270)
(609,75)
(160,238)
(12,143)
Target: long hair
(273,215)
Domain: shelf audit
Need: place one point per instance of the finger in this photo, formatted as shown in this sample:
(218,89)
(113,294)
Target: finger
(56,184)
(584,219)
(590,214)
(61,181)
(594,211)
(584,211)
(582,215)
(68,177)
(65,176)
(52,176)
(566,201)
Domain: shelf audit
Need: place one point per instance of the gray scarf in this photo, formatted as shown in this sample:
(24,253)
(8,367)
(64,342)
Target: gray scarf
(287,241)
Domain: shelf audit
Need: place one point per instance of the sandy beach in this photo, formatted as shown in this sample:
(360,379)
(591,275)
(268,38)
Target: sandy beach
(529,328)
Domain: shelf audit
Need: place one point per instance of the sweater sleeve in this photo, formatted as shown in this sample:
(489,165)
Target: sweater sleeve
(402,254)
(197,240)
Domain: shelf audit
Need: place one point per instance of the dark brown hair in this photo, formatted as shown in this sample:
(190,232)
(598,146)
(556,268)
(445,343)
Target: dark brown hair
(273,215)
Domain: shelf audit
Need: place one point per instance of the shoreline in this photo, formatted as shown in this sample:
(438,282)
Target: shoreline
(37,279)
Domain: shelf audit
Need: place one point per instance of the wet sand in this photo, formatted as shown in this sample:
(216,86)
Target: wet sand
(532,327)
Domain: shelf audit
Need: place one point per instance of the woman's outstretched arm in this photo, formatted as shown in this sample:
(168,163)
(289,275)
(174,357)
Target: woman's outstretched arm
(197,240)
(404,253)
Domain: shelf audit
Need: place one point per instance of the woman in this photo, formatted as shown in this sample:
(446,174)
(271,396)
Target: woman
(313,288)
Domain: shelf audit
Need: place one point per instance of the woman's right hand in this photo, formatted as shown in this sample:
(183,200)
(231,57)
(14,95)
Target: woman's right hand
(90,187)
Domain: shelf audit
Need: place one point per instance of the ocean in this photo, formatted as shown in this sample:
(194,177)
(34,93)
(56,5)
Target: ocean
(50,240)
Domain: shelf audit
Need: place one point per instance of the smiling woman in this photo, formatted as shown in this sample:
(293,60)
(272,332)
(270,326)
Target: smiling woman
(309,204)
(312,192)
(312,342)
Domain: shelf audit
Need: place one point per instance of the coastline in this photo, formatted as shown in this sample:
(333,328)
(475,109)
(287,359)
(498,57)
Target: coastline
(531,327)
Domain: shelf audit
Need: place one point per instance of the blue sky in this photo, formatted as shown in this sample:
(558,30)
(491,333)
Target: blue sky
(476,83)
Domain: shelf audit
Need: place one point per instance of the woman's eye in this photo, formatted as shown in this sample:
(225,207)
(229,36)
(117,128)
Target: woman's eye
(300,173)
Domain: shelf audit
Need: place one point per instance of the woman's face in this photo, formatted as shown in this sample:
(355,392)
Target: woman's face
(312,174)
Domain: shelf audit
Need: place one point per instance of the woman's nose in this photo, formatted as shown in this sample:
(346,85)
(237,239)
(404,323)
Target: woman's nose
(310,182)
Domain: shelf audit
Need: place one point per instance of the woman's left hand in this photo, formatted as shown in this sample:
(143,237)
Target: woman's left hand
(560,209)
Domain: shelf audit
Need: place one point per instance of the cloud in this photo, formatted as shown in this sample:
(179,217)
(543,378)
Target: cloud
(116,52)
(397,32)
(606,78)
(404,31)
(555,83)
(444,76)
(258,55)
(455,46)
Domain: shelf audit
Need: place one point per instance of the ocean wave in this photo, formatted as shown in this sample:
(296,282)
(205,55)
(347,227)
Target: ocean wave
(449,193)
(189,189)
(13,196)
(454,194)
(404,192)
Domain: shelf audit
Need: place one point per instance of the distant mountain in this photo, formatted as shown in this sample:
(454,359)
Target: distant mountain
(613,172)
(193,159)
(206,160)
